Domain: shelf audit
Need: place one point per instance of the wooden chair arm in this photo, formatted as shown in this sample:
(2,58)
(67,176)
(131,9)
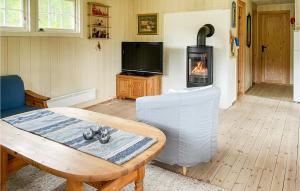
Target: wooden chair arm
(35,100)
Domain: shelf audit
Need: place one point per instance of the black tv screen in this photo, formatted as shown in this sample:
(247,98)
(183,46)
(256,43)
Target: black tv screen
(142,57)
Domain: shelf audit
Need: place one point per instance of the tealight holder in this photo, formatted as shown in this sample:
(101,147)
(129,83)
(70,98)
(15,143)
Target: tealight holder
(103,139)
(101,132)
(88,134)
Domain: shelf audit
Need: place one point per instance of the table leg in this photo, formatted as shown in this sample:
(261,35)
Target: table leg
(74,185)
(184,171)
(139,182)
(3,169)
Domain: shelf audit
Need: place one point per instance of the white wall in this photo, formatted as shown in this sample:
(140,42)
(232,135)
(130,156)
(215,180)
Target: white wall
(297,14)
(297,53)
(180,31)
(296,66)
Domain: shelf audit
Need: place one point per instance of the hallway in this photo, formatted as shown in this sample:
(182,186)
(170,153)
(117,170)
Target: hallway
(273,91)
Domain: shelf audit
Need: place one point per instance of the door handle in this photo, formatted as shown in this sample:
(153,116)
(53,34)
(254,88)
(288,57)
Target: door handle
(263,47)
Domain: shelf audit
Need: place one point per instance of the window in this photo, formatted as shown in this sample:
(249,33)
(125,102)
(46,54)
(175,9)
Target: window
(12,14)
(57,15)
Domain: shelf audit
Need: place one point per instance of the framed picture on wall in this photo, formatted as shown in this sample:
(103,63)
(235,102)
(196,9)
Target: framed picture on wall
(249,28)
(148,24)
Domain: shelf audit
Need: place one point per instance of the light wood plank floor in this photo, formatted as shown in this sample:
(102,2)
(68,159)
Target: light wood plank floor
(258,143)
(273,91)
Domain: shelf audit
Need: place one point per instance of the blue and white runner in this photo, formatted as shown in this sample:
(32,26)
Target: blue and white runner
(122,146)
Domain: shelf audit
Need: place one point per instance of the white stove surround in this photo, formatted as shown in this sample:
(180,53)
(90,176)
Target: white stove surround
(297,66)
(180,31)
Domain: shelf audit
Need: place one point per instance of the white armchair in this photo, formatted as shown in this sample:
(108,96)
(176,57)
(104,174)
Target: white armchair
(189,120)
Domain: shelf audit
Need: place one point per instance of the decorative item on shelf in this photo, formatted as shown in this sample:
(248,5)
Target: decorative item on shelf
(249,30)
(233,14)
(148,24)
(99,21)
(96,11)
(95,33)
(100,33)
(103,34)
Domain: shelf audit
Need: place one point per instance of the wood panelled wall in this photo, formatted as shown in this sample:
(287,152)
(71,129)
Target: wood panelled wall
(248,51)
(169,6)
(55,66)
(297,11)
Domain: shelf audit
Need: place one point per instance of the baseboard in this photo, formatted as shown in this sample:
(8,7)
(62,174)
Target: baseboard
(87,105)
(73,98)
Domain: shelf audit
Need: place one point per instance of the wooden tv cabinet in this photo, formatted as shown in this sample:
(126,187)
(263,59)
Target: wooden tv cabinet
(132,87)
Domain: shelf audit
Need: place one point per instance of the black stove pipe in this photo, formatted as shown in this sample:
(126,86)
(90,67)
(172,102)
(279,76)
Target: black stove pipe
(206,31)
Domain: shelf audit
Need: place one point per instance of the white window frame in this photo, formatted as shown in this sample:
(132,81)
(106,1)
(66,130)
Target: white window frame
(31,28)
(77,25)
(26,21)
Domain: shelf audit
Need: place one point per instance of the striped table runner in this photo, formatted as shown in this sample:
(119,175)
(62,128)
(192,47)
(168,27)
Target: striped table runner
(122,146)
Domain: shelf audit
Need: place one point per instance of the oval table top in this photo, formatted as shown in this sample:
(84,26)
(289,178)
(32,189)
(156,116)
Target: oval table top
(66,162)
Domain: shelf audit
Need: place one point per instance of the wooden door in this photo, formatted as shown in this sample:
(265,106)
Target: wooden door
(241,50)
(138,88)
(275,47)
(123,87)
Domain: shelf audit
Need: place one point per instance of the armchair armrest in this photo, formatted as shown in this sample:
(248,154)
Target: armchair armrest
(35,100)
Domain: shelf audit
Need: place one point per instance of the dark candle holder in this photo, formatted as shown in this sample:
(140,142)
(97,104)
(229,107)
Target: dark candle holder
(102,133)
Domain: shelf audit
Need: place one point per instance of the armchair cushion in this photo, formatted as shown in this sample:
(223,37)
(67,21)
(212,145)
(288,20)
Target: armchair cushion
(12,92)
(15,111)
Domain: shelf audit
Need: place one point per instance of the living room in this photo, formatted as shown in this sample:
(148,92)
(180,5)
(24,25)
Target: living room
(85,54)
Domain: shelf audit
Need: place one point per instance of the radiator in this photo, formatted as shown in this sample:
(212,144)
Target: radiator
(73,98)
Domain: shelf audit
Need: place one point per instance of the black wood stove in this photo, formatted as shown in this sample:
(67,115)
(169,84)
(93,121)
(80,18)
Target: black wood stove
(200,59)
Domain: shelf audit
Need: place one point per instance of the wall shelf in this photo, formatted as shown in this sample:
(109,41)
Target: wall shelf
(95,25)
(99,16)
(99,21)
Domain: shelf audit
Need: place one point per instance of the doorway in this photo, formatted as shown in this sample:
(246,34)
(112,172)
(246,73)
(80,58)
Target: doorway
(241,51)
(273,47)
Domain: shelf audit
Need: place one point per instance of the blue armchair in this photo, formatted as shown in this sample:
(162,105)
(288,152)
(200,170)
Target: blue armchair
(15,99)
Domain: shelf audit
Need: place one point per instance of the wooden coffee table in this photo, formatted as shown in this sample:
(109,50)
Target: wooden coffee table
(75,166)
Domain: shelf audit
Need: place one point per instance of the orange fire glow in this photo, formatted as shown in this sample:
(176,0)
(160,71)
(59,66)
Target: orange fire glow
(200,69)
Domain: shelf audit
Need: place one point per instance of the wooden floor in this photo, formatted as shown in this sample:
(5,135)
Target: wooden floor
(258,142)
(120,108)
(273,91)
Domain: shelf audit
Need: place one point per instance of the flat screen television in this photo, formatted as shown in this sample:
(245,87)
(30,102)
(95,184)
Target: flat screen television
(142,57)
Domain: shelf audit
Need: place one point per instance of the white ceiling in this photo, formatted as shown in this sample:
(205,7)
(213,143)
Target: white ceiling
(262,2)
